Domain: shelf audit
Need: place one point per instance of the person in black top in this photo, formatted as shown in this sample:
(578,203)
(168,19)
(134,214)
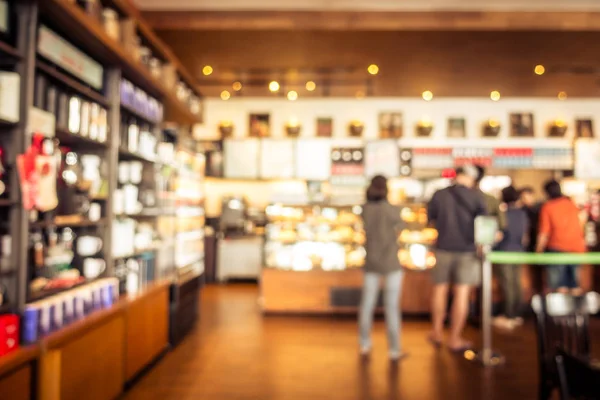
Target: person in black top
(532,207)
(452,211)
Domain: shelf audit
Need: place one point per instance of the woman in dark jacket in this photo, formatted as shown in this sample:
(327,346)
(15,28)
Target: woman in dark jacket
(382,222)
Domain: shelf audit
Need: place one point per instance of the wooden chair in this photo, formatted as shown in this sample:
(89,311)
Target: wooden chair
(578,378)
(562,323)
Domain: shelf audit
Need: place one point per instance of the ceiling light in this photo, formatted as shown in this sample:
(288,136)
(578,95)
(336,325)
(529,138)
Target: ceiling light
(292,95)
(427,95)
(373,69)
(539,69)
(495,95)
(237,86)
(311,86)
(562,95)
(207,70)
(225,95)
(274,86)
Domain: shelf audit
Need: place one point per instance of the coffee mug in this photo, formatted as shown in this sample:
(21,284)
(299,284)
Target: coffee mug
(95,212)
(88,245)
(93,267)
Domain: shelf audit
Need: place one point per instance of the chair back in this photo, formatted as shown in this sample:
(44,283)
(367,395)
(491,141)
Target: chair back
(562,322)
(578,378)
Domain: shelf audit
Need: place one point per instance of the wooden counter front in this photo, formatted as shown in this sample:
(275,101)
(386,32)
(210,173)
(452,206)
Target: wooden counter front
(147,328)
(16,373)
(311,292)
(92,358)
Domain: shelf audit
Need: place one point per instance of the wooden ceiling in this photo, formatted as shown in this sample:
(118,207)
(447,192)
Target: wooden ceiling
(449,63)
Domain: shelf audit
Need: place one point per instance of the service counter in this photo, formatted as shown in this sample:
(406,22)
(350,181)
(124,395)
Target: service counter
(334,292)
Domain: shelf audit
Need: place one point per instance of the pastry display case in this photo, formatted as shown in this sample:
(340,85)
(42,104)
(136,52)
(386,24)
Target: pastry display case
(314,256)
(304,238)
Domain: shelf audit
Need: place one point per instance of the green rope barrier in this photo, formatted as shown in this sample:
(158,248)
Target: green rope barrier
(501,257)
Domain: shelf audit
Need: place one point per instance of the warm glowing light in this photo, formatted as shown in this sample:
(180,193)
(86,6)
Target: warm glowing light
(562,95)
(274,86)
(225,95)
(495,95)
(373,69)
(292,95)
(427,95)
(539,69)
(360,94)
(207,70)
(237,86)
(493,123)
(311,86)
(560,123)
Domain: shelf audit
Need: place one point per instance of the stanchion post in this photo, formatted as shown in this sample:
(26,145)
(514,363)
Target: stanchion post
(485,234)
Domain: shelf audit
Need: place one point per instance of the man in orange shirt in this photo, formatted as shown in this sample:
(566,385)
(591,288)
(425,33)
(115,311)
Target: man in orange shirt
(560,231)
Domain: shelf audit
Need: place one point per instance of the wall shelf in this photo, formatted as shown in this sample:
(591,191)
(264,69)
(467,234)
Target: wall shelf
(72,83)
(60,224)
(69,139)
(8,50)
(138,115)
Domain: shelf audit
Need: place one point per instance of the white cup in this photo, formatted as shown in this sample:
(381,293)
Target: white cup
(135,172)
(124,172)
(88,245)
(95,212)
(93,267)
(118,202)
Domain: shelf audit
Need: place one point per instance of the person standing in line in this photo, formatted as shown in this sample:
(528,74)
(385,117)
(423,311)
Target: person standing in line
(514,239)
(382,223)
(532,208)
(452,211)
(561,231)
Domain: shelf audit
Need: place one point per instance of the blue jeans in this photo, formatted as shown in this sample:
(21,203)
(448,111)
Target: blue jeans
(391,300)
(562,276)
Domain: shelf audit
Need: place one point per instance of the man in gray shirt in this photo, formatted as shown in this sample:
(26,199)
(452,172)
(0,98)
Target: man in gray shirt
(452,211)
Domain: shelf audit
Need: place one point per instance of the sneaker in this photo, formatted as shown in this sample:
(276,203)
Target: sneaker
(503,323)
(396,356)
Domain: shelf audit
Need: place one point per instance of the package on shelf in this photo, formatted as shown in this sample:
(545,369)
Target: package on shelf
(141,102)
(9,333)
(10,83)
(53,313)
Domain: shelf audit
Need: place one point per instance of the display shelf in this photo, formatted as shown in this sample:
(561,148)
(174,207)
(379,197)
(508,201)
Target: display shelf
(67,138)
(17,358)
(8,50)
(7,124)
(46,293)
(127,155)
(75,224)
(137,253)
(149,213)
(72,83)
(135,113)
(89,34)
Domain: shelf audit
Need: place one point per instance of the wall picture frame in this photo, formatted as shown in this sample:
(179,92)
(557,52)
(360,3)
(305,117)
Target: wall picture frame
(584,128)
(522,125)
(259,125)
(324,127)
(456,127)
(391,125)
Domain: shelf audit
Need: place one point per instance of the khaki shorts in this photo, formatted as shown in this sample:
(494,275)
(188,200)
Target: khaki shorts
(456,267)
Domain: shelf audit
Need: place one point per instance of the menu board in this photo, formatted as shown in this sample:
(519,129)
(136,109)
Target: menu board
(587,159)
(241,158)
(382,157)
(428,158)
(348,166)
(313,159)
(277,158)
(553,158)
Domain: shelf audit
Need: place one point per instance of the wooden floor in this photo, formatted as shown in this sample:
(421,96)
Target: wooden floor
(236,353)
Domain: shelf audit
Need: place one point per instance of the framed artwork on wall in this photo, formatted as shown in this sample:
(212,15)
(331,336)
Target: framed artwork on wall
(521,125)
(584,128)
(324,127)
(456,127)
(391,125)
(259,125)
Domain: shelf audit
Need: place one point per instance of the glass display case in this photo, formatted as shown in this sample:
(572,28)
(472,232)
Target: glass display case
(416,239)
(314,237)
